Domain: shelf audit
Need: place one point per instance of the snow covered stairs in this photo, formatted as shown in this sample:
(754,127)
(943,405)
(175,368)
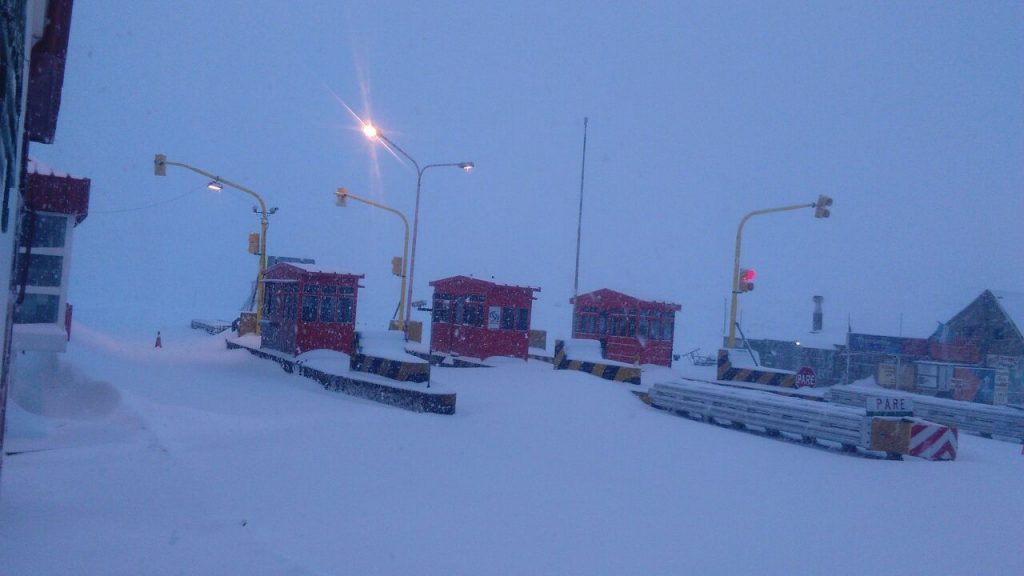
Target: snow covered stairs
(847,426)
(606,369)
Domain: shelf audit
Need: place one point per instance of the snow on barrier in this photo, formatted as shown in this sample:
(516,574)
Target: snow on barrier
(593,363)
(392,395)
(728,371)
(848,426)
(384,353)
(979,418)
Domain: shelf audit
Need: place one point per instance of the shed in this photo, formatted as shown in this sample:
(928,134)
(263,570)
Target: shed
(630,329)
(307,308)
(479,319)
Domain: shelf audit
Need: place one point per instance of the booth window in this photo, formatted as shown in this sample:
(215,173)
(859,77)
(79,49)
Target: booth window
(309,302)
(442,308)
(508,318)
(345,310)
(523,321)
(327,308)
(474,314)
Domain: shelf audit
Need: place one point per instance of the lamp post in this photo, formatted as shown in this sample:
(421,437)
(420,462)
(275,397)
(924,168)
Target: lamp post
(821,211)
(160,163)
(403,307)
(372,132)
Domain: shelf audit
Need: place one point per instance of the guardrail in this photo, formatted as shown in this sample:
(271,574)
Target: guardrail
(980,418)
(850,427)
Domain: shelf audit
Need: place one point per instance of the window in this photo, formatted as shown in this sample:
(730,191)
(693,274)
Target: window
(666,330)
(655,329)
(442,308)
(309,308)
(44,270)
(508,318)
(44,231)
(474,314)
(327,308)
(37,309)
(40,265)
(523,320)
(345,314)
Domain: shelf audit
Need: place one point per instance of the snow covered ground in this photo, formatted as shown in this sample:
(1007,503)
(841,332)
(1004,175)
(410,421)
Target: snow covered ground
(192,459)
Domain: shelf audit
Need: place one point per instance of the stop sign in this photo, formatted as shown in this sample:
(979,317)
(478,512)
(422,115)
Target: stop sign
(805,377)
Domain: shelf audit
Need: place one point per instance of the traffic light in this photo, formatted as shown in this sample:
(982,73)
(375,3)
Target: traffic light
(396,265)
(160,165)
(821,207)
(746,280)
(254,243)
(342,196)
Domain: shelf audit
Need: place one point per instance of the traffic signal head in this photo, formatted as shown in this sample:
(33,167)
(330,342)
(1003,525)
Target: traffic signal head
(254,243)
(821,207)
(342,196)
(746,280)
(160,165)
(396,266)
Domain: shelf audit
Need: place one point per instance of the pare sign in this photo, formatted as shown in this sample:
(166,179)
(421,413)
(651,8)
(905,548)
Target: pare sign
(805,377)
(889,406)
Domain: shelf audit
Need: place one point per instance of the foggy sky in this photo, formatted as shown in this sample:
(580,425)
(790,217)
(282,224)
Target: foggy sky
(910,115)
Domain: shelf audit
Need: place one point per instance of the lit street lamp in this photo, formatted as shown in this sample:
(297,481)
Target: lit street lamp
(160,163)
(741,284)
(373,132)
(403,309)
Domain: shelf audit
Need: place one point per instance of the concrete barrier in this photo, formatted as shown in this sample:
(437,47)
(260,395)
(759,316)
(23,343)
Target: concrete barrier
(726,371)
(607,369)
(413,400)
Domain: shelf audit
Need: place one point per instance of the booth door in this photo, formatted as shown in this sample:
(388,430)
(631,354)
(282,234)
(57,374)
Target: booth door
(289,327)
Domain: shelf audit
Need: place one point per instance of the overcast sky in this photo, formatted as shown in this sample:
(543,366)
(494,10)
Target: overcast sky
(910,115)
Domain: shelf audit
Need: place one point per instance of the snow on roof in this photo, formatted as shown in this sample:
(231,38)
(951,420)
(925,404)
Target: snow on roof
(37,167)
(490,280)
(319,269)
(627,295)
(1012,304)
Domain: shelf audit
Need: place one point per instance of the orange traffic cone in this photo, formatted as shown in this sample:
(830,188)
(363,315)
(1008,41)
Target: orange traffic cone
(158,343)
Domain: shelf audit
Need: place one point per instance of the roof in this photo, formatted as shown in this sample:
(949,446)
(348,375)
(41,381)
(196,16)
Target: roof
(618,298)
(477,283)
(310,269)
(50,191)
(1012,304)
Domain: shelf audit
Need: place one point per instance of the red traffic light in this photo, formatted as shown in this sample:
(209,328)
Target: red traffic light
(746,280)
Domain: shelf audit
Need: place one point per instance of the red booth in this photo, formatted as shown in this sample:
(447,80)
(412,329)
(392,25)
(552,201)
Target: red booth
(630,330)
(479,319)
(307,308)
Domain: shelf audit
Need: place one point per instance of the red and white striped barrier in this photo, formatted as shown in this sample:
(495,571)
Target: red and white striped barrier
(933,441)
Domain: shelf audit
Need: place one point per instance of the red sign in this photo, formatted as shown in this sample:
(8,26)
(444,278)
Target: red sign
(805,377)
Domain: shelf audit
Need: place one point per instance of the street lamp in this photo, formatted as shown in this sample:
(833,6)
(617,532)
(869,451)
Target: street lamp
(373,132)
(160,163)
(403,309)
(740,284)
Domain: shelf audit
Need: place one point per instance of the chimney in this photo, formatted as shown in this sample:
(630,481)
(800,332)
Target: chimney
(817,321)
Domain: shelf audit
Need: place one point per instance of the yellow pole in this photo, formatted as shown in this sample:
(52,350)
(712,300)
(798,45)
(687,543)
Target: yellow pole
(160,161)
(736,264)
(342,193)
